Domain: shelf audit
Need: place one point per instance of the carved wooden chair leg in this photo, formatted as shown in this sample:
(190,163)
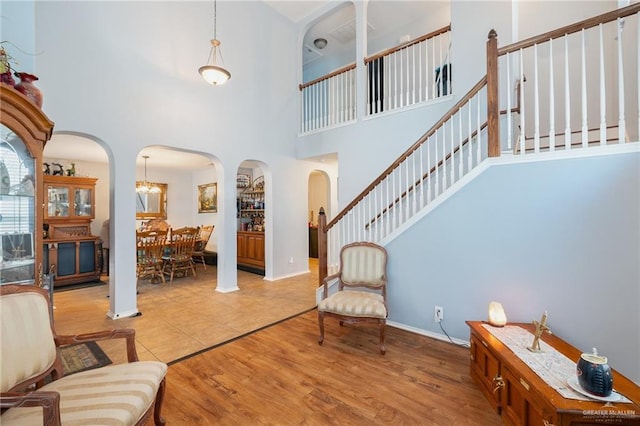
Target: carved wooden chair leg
(383,350)
(321,325)
(157,415)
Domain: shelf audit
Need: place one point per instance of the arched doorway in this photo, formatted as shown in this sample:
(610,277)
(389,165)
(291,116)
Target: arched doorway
(319,190)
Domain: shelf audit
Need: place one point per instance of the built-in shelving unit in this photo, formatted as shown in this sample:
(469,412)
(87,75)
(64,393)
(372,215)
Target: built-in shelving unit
(250,237)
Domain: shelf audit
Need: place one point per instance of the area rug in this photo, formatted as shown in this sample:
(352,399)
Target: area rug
(83,356)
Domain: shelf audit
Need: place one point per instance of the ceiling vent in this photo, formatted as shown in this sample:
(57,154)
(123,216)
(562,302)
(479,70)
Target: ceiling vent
(346,33)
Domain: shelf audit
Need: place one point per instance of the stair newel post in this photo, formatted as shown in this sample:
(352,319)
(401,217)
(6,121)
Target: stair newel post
(322,246)
(493,107)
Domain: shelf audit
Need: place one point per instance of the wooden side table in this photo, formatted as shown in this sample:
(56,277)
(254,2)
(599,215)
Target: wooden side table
(522,397)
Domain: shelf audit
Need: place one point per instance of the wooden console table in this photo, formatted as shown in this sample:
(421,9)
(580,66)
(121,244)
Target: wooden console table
(522,397)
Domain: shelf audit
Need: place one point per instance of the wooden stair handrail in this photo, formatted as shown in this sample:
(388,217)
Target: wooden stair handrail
(407,44)
(424,176)
(570,29)
(478,86)
(328,76)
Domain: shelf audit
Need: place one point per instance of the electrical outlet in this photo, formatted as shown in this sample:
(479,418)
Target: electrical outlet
(291,260)
(438,313)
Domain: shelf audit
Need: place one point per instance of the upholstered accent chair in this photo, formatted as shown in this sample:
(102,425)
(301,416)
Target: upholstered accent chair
(150,246)
(362,289)
(202,238)
(117,394)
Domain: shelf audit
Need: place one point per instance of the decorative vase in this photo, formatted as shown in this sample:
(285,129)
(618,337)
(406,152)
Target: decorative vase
(594,374)
(29,89)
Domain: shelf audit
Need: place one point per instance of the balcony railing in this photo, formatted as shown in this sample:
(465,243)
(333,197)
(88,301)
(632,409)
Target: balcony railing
(571,88)
(414,72)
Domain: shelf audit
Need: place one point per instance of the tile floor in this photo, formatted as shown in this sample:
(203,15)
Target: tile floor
(187,316)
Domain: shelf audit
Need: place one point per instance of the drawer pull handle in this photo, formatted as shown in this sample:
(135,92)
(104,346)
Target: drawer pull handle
(524,384)
(485,344)
(498,383)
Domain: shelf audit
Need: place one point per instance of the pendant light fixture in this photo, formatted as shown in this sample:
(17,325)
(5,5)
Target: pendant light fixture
(146,187)
(214,74)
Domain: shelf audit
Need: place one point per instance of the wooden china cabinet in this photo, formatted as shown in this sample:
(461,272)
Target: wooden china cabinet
(24,130)
(69,244)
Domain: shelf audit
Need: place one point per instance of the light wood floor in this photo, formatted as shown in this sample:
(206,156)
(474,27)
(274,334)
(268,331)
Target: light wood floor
(187,316)
(279,375)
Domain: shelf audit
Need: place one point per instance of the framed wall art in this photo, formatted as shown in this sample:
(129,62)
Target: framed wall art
(208,198)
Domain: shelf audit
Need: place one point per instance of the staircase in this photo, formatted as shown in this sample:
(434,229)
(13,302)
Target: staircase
(542,94)
(531,185)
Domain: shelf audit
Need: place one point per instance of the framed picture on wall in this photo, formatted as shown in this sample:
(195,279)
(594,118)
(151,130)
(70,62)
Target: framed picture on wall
(208,198)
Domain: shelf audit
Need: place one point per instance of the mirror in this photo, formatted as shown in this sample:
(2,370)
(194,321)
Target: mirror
(151,205)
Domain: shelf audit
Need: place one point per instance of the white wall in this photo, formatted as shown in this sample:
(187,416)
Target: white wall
(126,73)
(561,236)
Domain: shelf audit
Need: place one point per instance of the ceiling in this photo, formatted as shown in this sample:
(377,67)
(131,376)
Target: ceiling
(296,11)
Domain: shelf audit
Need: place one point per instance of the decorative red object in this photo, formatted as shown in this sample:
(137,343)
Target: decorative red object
(7,78)
(29,89)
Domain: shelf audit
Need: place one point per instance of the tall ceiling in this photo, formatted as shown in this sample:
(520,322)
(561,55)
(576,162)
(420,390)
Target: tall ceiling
(335,27)
(296,11)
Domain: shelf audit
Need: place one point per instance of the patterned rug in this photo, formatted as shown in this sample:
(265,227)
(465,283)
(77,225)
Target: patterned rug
(83,356)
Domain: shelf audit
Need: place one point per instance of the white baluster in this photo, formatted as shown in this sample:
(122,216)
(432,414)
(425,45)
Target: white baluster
(585,124)
(509,107)
(603,94)
(452,145)
(567,96)
(470,144)
(622,126)
(523,141)
(536,101)
(552,101)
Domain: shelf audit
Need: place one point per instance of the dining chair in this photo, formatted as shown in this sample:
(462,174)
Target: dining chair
(204,234)
(179,257)
(150,246)
(361,295)
(34,389)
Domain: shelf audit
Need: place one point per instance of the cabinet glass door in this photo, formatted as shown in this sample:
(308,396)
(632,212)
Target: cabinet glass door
(17,210)
(83,206)
(58,205)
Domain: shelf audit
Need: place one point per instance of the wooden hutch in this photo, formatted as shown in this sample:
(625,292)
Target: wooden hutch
(69,246)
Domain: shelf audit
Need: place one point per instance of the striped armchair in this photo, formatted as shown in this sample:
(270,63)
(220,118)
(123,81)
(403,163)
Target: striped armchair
(362,289)
(118,394)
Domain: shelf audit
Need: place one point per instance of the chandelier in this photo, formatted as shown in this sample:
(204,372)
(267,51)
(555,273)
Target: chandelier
(146,187)
(213,74)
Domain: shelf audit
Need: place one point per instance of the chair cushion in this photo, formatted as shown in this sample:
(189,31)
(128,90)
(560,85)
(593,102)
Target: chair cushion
(355,304)
(26,340)
(363,264)
(113,395)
